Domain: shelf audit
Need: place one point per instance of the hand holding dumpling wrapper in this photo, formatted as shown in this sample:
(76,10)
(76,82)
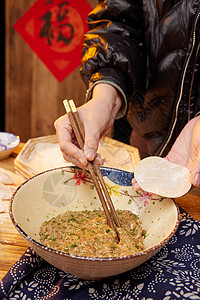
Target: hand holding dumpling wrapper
(162,177)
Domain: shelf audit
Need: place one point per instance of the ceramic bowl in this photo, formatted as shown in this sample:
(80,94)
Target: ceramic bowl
(8,142)
(54,191)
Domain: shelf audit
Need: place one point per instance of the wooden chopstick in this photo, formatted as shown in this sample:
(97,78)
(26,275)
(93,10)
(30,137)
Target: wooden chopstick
(95,164)
(93,168)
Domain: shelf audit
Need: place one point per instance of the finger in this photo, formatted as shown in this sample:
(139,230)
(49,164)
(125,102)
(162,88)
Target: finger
(73,152)
(196,171)
(99,160)
(91,143)
(178,152)
(135,185)
(68,148)
(196,181)
(74,161)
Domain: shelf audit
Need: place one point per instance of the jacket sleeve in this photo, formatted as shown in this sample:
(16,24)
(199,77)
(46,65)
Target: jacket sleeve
(113,49)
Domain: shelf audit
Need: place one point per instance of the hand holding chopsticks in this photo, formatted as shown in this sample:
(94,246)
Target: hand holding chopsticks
(93,167)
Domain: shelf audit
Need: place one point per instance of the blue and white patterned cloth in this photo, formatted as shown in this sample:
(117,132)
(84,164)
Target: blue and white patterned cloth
(173,273)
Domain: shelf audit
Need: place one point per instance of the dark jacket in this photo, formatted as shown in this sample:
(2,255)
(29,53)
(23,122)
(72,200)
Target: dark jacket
(149,50)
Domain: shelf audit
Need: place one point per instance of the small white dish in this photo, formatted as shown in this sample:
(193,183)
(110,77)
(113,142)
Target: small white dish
(8,142)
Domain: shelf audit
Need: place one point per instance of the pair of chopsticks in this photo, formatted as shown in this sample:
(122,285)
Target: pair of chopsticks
(93,167)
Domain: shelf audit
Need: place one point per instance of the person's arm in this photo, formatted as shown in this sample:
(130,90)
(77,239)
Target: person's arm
(97,117)
(113,49)
(186,151)
(114,65)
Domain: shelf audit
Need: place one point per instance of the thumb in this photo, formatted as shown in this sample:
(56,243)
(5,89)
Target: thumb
(196,171)
(194,166)
(91,143)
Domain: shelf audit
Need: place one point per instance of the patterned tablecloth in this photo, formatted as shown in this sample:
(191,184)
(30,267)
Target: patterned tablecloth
(173,273)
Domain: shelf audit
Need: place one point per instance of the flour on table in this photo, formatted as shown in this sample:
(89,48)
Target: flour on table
(6,191)
(4,206)
(8,184)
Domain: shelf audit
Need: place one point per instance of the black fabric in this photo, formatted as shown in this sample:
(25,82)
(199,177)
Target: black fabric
(122,130)
(151,50)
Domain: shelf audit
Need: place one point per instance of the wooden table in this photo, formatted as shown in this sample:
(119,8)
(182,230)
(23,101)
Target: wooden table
(12,245)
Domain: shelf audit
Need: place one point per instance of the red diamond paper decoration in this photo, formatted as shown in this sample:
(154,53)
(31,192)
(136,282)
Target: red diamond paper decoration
(54,29)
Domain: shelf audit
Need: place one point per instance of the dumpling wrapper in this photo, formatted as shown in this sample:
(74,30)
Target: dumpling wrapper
(159,176)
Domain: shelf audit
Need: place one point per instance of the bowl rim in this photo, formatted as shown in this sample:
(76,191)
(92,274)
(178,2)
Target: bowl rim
(46,248)
(16,141)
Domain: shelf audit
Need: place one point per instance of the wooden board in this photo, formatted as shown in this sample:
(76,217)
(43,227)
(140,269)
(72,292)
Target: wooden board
(12,244)
(43,153)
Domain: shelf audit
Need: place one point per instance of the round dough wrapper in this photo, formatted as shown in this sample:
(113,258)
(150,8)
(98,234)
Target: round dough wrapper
(159,176)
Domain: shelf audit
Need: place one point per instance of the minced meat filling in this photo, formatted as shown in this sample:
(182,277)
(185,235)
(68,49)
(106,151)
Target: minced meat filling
(86,233)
